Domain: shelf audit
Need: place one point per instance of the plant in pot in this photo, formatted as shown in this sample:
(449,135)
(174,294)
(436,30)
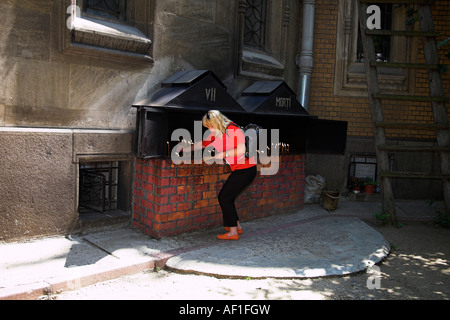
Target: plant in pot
(369,185)
(356,184)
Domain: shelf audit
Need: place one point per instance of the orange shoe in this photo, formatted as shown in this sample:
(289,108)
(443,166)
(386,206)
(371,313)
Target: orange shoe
(226,236)
(239,231)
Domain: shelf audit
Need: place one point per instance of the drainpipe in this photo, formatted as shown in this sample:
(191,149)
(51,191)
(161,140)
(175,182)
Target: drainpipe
(305,62)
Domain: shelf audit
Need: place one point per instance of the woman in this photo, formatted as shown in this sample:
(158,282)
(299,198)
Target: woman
(228,141)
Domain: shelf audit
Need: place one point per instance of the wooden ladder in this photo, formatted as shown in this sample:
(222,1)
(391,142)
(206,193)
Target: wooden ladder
(436,99)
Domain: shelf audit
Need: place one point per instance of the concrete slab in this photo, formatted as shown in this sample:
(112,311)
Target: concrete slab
(304,248)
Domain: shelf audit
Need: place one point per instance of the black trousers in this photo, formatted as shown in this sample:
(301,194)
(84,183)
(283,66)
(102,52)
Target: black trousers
(235,184)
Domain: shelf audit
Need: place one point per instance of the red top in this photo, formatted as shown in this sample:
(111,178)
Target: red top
(229,141)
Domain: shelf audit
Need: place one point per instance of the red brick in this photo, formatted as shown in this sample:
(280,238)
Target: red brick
(294,197)
(148,205)
(152,179)
(184,189)
(184,223)
(267,194)
(138,193)
(148,187)
(149,169)
(195,180)
(193,213)
(210,209)
(202,187)
(140,176)
(164,226)
(183,172)
(159,218)
(194,196)
(201,170)
(184,206)
(138,209)
(201,204)
(261,202)
(177,181)
(256,195)
(216,170)
(164,182)
(209,194)
(165,208)
(211,179)
(166,191)
(200,220)
(168,172)
(177,198)
(152,197)
(162,200)
(176,216)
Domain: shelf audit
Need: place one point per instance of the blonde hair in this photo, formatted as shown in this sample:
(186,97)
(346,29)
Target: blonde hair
(217,120)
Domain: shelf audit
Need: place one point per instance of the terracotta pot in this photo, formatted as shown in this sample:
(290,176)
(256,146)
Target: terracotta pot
(369,188)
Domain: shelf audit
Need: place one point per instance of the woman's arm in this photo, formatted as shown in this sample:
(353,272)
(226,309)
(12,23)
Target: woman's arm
(238,151)
(197,146)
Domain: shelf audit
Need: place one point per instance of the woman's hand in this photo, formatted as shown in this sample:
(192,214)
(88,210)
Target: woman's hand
(219,155)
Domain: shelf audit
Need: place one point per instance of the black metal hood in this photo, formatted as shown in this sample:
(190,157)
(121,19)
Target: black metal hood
(190,91)
(271,98)
(187,95)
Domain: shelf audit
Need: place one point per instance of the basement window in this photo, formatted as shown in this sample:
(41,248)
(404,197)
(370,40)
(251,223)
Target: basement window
(99,182)
(363,167)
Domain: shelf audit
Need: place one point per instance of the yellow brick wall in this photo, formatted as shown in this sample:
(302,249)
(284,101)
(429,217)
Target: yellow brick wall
(325,104)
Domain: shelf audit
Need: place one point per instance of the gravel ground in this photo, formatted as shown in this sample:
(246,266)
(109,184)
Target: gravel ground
(418,267)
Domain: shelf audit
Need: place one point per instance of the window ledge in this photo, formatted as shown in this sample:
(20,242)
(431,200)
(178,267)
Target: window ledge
(98,37)
(390,79)
(262,66)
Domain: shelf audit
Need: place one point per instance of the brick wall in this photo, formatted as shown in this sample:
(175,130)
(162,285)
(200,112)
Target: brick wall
(355,110)
(171,199)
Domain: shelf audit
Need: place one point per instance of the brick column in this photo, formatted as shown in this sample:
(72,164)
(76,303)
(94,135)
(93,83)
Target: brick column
(173,199)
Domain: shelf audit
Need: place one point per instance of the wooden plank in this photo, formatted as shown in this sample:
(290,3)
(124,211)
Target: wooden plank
(426,2)
(401,33)
(406,97)
(405,65)
(407,125)
(415,175)
(398,148)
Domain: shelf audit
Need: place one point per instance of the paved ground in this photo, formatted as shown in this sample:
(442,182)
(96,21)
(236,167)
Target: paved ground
(313,242)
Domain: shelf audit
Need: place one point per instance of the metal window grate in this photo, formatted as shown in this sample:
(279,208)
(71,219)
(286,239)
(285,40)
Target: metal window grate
(255,20)
(98,186)
(363,167)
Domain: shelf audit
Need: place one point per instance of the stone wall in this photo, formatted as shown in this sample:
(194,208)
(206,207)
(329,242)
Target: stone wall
(39,176)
